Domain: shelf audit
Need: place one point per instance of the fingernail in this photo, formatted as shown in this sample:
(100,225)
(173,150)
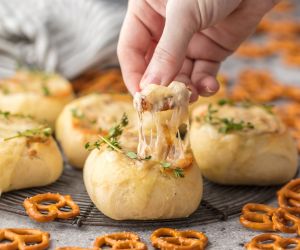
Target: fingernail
(212,89)
(149,79)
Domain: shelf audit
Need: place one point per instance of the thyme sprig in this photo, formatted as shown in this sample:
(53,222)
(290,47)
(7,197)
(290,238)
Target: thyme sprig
(178,172)
(81,116)
(42,132)
(226,125)
(5,114)
(112,142)
(246,104)
(112,139)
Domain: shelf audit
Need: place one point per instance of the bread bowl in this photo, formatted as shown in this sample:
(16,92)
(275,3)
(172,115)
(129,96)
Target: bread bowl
(29,155)
(41,95)
(87,117)
(242,144)
(149,173)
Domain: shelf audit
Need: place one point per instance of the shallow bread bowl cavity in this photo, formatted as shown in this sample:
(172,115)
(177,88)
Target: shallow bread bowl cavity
(242,145)
(122,188)
(27,161)
(41,95)
(85,118)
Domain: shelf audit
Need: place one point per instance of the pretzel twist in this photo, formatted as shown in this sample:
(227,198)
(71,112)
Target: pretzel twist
(171,239)
(257,217)
(289,195)
(272,242)
(116,241)
(20,238)
(34,207)
(287,220)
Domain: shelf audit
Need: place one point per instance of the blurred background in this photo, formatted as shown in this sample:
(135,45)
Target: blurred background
(67,36)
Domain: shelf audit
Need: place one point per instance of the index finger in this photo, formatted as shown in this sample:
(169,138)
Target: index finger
(132,49)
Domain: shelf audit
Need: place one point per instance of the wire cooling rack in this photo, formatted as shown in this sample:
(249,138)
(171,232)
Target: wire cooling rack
(218,203)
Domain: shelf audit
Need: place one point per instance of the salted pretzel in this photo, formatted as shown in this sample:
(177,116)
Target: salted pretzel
(24,239)
(252,50)
(287,220)
(257,217)
(257,86)
(34,207)
(272,242)
(171,239)
(74,248)
(116,241)
(289,195)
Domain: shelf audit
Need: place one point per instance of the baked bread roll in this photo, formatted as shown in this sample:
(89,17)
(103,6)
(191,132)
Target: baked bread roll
(29,155)
(34,93)
(242,144)
(149,174)
(84,119)
(124,188)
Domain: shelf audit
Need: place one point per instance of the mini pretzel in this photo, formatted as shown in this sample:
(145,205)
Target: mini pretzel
(21,238)
(289,195)
(287,220)
(74,248)
(272,242)
(171,239)
(253,218)
(253,50)
(118,241)
(34,207)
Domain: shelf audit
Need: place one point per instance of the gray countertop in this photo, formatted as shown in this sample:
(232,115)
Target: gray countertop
(225,235)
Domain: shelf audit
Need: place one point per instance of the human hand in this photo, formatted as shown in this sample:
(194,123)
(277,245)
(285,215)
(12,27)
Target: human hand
(184,40)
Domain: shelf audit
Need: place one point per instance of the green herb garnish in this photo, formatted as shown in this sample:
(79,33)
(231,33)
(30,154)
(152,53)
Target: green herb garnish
(77,114)
(112,138)
(226,125)
(30,133)
(229,125)
(46,90)
(6,114)
(223,102)
(178,172)
(268,108)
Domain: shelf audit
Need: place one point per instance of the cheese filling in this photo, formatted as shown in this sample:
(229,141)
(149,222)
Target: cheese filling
(167,110)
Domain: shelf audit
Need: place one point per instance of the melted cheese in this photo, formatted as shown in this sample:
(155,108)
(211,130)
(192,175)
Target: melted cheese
(162,141)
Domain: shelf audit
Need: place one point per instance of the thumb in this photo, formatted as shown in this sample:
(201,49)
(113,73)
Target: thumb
(183,20)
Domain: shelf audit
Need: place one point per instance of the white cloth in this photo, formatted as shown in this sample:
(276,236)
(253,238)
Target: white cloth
(67,36)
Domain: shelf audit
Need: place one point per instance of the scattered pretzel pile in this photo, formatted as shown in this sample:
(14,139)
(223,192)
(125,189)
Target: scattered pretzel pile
(282,34)
(106,81)
(285,219)
(163,238)
(24,239)
(260,86)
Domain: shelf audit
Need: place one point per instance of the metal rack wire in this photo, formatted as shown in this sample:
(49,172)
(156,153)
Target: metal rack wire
(219,203)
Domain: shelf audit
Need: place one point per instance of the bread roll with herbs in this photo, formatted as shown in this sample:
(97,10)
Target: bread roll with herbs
(35,93)
(85,118)
(242,144)
(29,155)
(149,173)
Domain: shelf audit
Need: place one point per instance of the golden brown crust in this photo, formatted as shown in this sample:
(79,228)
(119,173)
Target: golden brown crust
(34,207)
(257,217)
(171,239)
(272,241)
(123,240)
(20,238)
(289,195)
